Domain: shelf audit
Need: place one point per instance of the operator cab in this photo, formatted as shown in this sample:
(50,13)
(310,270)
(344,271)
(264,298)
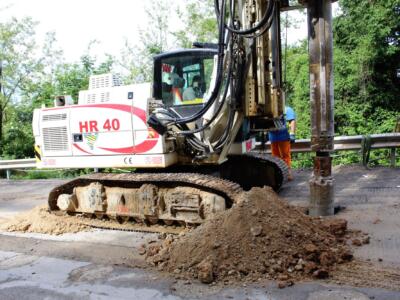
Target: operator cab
(182,78)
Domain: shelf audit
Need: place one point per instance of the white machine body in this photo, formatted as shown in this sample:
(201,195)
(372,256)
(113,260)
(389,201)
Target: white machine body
(106,129)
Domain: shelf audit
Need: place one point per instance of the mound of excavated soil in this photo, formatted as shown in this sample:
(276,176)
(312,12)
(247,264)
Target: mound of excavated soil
(260,237)
(39,220)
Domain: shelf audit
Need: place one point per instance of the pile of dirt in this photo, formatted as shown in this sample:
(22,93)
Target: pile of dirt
(261,237)
(39,220)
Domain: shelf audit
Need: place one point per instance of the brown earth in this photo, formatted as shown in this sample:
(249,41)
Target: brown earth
(261,237)
(366,274)
(40,220)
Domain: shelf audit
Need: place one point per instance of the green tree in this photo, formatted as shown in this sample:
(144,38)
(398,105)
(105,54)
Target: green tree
(199,23)
(154,38)
(297,86)
(68,78)
(21,62)
(367,54)
(134,63)
(18,138)
(57,78)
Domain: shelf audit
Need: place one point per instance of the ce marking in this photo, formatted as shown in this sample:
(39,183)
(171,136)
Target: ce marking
(128,160)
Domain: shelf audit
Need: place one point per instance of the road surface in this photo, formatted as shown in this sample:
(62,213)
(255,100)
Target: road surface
(106,264)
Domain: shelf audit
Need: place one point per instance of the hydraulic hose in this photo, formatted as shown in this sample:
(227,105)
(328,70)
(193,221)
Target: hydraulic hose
(228,128)
(263,30)
(266,17)
(205,126)
(217,87)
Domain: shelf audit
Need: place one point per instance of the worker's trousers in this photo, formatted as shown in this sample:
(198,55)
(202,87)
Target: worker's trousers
(282,150)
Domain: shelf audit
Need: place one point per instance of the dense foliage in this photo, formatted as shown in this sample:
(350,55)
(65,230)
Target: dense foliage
(20,65)
(366,56)
(199,24)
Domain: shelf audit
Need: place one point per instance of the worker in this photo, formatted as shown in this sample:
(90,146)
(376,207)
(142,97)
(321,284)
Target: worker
(193,92)
(172,85)
(282,138)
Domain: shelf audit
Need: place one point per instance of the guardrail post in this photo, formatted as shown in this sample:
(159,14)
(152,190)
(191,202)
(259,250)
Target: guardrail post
(393,157)
(320,41)
(8,172)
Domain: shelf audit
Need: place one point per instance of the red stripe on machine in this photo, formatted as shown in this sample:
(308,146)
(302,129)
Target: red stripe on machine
(143,147)
(80,149)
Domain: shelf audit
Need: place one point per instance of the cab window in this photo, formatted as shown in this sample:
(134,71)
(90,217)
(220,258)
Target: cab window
(185,79)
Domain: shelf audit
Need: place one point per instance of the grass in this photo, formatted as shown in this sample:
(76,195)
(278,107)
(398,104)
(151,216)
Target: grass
(378,157)
(48,174)
(59,174)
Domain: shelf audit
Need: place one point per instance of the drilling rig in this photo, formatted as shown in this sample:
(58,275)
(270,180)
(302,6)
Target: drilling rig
(190,134)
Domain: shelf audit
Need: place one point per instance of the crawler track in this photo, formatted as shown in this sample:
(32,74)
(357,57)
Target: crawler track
(238,173)
(228,190)
(256,169)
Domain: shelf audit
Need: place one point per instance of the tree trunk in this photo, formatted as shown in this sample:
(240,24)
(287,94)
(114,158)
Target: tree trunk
(1,131)
(1,110)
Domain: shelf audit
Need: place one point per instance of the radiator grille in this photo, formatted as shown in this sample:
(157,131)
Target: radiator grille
(104,81)
(55,138)
(55,117)
(105,97)
(92,98)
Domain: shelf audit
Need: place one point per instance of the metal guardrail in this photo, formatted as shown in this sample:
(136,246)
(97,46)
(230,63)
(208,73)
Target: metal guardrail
(17,164)
(9,165)
(342,143)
